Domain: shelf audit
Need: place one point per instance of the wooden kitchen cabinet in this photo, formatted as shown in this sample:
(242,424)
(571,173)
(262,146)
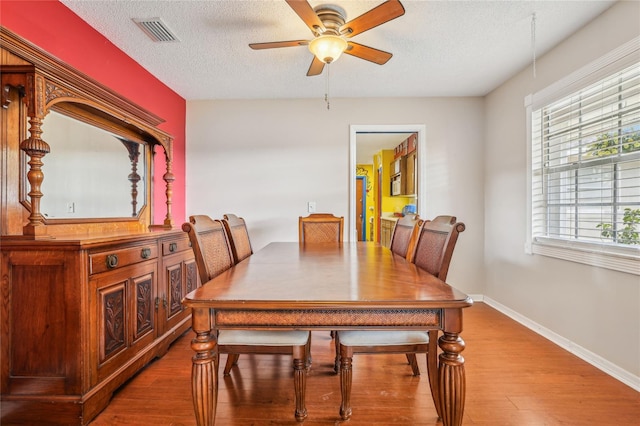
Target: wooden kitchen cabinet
(386,229)
(411,165)
(403,170)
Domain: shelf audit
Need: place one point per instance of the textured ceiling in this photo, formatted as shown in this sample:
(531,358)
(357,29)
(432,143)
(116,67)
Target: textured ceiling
(440,48)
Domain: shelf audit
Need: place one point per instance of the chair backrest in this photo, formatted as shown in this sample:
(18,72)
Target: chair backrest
(320,228)
(210,246)
(434,247)
(405,234)
(238,237)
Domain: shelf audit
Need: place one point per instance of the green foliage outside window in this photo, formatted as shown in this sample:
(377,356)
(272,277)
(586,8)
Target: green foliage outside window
(628,234)
(606,145)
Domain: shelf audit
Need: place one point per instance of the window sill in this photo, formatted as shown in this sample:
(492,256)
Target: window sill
(623,260)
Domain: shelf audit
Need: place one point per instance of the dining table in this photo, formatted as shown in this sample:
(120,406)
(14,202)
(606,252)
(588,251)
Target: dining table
(329,286)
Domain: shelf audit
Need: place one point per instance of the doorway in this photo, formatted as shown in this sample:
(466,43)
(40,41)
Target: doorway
(354,233)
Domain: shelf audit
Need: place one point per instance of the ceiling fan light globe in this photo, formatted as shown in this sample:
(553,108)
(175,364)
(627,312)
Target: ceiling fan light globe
(328,48)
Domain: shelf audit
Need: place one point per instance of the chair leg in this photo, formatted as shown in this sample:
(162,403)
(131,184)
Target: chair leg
(232,359)
(413,362)
(336,361)
(346,355)
(432,370)
(307,362)
(300,380)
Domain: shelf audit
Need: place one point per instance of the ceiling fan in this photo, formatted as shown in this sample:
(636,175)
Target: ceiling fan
(327,23)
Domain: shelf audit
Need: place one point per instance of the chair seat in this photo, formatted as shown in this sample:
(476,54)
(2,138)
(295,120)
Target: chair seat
(263,338)
(382,338)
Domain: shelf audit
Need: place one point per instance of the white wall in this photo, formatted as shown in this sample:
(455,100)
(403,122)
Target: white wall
(265,159)
(594,308)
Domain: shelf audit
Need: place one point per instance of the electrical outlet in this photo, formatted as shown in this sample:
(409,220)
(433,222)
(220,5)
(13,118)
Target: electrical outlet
(311,206)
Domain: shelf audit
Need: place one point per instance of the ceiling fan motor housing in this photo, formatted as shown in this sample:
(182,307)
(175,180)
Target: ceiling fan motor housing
(332,16)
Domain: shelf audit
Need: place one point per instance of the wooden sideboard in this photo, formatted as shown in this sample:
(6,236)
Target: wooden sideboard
(87,300)
(81,315)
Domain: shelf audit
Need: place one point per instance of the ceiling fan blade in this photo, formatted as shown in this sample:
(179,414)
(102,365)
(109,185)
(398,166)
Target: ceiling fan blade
(273,44)
(367,53)
(385,12)
(304,10)
(316,67)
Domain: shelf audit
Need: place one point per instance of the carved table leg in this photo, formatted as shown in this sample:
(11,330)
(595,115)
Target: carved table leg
(300,381)
(345,382)
(204,372)
(452,379)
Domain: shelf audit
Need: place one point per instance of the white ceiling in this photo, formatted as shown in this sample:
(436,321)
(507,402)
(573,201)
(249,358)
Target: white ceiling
(440,48)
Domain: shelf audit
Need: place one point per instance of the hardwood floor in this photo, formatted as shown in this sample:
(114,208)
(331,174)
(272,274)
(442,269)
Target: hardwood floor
(514,377)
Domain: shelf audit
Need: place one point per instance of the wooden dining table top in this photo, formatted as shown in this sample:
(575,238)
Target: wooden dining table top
(333,275)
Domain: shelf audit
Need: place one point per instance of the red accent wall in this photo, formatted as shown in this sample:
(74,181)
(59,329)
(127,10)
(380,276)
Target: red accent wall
(53,27)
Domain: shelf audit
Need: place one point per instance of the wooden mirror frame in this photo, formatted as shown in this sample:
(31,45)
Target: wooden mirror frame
(43,83)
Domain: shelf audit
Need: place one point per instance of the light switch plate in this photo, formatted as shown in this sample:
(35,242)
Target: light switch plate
(311,206)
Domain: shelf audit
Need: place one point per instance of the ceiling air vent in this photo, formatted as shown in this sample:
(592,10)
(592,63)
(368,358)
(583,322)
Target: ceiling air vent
(156,29)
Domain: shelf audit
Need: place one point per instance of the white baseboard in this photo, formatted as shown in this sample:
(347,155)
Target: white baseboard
(597,361)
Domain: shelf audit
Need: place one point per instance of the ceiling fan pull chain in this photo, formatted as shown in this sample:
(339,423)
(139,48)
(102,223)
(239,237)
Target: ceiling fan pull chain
(326,88)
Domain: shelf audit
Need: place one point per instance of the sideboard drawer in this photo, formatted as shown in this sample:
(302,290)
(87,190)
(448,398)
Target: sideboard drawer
(176,246)
(110,260)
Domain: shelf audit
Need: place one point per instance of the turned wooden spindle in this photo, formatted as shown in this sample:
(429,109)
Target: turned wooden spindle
(169,178)
(36,149)
(134,155)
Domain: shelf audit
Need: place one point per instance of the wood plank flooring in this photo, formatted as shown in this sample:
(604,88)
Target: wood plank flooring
(514,377)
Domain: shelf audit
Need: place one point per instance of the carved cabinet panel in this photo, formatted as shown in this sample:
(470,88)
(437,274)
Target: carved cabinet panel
(180,278)
(124,314)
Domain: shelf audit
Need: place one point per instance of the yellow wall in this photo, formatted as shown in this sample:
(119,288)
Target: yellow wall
(389,204)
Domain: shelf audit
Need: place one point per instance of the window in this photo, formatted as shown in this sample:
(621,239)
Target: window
(585,169)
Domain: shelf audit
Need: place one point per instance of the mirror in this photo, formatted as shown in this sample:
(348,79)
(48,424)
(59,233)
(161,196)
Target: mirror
(91,172)
(95,182)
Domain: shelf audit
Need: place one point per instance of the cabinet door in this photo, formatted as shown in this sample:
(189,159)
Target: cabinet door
(180,278)
(385,234)
(123,316)
(410,184)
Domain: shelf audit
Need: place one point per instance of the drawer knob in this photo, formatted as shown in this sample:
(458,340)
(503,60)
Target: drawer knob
(173,247)
(112,261)
(145,253)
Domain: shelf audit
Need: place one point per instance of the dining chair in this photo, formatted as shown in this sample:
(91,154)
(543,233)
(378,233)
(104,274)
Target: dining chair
(213,257)
(238,236)
(404,234)
(432,252)
(320,228)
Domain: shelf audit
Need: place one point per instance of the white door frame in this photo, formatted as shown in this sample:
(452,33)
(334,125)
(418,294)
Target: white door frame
(420,129)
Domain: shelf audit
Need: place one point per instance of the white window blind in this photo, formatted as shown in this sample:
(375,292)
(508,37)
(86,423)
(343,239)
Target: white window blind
(585,168)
